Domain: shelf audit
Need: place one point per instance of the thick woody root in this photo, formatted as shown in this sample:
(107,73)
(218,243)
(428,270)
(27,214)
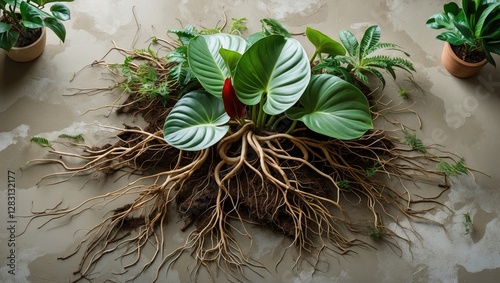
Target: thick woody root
(293,184)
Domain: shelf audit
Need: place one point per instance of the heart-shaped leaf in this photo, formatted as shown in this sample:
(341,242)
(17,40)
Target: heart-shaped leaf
(60,12)
(197,121)
(323,43)
(275,67)
(206,61)
(31,16)
(8,37)
(333,107)
(231,59)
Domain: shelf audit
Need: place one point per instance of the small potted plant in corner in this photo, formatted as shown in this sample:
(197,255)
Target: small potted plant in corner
(472,35)
(23,23)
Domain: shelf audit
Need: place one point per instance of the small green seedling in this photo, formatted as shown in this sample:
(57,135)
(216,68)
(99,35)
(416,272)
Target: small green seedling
(237,26)
(452,169)
(414,142)
(403,93)
(369,172)
(43,142)
(344,184)
(76,138)
(376,233)
(468,223)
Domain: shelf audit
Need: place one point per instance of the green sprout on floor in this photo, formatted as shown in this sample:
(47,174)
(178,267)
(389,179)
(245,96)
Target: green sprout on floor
(238,26)
(414,142)
(468,223)
(452,169)
(403,93)
(370,172)
(376,233)
(344,184)
(76,138)
(144,77)
(43,142)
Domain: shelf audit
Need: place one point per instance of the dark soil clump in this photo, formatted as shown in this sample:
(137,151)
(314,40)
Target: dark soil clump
(472,57)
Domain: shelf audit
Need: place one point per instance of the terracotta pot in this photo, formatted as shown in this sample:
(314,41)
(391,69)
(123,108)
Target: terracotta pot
(458,67)
(30,52)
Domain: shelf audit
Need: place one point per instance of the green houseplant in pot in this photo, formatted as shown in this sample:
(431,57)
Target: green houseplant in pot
(23,23)
(472,35)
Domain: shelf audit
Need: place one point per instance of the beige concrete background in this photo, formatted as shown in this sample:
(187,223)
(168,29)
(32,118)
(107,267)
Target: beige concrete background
(462,115)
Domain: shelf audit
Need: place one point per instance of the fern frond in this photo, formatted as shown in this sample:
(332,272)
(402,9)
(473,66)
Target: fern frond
(43,142)
(370,39)
(238,25)
(333,67)
(76,138)
(346,59)
(379,75)
(402,64)
(415,143)
(272,26)
(359,74)
(453,169)
(386,46)
(185,34)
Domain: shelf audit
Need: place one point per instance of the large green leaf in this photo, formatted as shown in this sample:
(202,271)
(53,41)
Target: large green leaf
(275,69)
(481,21)
(57,27)
(4,27)
(8,37)
(197,121)
(207,63)
(334,108)
(323,43)
(60,12)
(31,16)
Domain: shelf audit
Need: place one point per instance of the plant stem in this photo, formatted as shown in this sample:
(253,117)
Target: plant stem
(255,111)
(275,124)
(292,127)
(312,57)
(261,118)
(17,24)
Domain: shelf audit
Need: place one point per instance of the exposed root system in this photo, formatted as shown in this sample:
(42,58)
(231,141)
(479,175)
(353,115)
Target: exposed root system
(294,184)
(318,192)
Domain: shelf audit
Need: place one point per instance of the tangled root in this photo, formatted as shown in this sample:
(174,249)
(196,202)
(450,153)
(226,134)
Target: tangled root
(298,184)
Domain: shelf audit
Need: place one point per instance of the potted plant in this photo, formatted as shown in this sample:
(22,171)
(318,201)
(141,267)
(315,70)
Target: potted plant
(472,34)
(22,26)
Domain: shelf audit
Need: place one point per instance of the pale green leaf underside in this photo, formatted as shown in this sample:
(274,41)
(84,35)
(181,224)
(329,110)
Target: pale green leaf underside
(334,108)
(197,121)
(207,63)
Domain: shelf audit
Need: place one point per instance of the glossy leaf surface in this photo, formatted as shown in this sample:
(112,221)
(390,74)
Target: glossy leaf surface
(323,43)
(206,61)
(197,121)
(275,69)
(334,108)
